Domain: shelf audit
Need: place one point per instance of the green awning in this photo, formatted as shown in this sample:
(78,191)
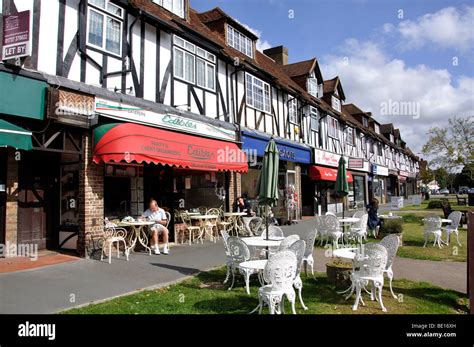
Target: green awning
(14,136)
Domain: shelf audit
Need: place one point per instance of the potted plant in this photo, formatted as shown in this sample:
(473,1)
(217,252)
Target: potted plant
(393,226)
(338,272)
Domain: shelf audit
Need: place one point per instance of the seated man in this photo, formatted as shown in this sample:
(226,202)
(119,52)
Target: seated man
(243,206)
(156,214)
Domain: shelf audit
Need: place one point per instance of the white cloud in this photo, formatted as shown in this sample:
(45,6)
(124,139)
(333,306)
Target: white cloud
(448,28)
(371,78)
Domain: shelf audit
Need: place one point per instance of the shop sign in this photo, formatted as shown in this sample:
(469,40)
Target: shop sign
(137,114)
(71,108)
(16,40)
(404,173)
(356,163)
(326,158)
(379,170)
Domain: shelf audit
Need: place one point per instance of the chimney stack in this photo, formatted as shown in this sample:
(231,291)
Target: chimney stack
(279,54)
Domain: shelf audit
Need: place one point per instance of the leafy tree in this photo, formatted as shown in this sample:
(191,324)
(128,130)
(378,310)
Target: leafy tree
(453,146)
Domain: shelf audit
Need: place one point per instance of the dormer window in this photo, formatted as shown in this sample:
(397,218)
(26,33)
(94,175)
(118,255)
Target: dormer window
(336,103)
(239,41)
(174,6)
(392,139)
(333,127)
(377,128)
(314,119)
(313,86)
(365,122)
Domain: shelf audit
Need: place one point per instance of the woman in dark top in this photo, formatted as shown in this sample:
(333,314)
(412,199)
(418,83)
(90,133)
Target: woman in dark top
(374,220)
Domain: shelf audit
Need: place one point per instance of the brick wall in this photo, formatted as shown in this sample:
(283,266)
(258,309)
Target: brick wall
(91,198)
(11,220)
(235,188)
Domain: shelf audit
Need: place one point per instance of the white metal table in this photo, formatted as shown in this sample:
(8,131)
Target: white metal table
(250,266)
(236,219)
(257,241)
(138,233)
(203,218)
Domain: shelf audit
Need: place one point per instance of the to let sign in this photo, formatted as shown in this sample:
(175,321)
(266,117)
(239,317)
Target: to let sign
(16,41)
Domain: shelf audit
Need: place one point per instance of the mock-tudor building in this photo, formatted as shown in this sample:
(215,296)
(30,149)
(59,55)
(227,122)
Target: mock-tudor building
(122,101)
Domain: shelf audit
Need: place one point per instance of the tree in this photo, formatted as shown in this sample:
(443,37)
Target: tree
(453,146)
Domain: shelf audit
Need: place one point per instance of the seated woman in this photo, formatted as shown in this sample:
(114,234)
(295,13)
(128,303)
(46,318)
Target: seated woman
(374,221)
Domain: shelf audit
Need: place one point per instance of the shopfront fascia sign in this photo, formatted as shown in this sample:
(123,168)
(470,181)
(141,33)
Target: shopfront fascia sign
(16,33)
(326,158)
(406,174)
(71,108)
(379,170)
(136,114)
(357,164)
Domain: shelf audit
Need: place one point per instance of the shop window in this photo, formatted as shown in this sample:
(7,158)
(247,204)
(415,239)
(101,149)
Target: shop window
(293,110)
(258,93)
(194,64)
(104,26)
(333,127)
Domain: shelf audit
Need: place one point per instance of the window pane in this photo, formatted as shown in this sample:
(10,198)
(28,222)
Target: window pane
(113,38)
(249,90)
(189,46)
(98,3)
(267,98)
(200,52)
(211,76)
(114,9)
(201,73)
(96,28)
(178,63)
(178,8)
(211,57)
(178,41)
(189,67)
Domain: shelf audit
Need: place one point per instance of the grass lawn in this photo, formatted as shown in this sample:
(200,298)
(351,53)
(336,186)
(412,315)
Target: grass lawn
(205,294)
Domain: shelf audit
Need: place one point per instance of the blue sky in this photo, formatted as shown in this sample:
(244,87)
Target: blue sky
(425,57)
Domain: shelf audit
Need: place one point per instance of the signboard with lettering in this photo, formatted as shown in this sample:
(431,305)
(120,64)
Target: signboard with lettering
(170,121)
(356,163)
(16,41)
(379,170)
(326,158)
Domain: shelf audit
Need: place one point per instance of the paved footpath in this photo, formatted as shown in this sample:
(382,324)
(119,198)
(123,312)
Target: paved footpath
(58,287)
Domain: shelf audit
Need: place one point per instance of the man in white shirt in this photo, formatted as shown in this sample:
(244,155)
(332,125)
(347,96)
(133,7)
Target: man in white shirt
(157,215)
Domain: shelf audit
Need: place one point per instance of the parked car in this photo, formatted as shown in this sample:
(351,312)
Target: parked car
(444,191)
(463,190)
(470,191)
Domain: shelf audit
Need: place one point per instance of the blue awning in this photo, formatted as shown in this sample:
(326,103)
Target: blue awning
(289,151)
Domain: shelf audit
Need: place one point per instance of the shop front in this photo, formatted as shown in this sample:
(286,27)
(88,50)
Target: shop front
(325,178)
(392,184)
(378,183)
(294,162)
(324,174)
(360,169)
(178,170)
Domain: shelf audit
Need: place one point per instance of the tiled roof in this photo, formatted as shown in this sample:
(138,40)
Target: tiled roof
(301,68)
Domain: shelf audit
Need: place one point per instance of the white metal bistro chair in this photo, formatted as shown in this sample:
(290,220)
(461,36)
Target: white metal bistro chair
(391,244)
(211,224)
(369,265)
(298,247)
(113,235)
(239,253)
(287,242)
(452,228)
(194,231)
(279,273)
(228,263)
(359,231)
(308,260)
(273,231)
(432,226)
(333,229)
(330,214)
(321,229)
(358,214)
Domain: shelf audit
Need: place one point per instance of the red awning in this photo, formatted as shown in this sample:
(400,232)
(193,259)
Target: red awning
(321,173)
(127,143)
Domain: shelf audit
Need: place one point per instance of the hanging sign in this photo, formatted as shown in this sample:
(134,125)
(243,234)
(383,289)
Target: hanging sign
(16,31)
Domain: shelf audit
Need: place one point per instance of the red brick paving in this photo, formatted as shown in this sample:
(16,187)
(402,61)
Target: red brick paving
(23,263)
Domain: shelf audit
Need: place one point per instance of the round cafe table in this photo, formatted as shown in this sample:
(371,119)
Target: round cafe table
(138,233)
(257,241)
(348,254)
(251,266)
(346,223)
(237,220)
(203,218)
